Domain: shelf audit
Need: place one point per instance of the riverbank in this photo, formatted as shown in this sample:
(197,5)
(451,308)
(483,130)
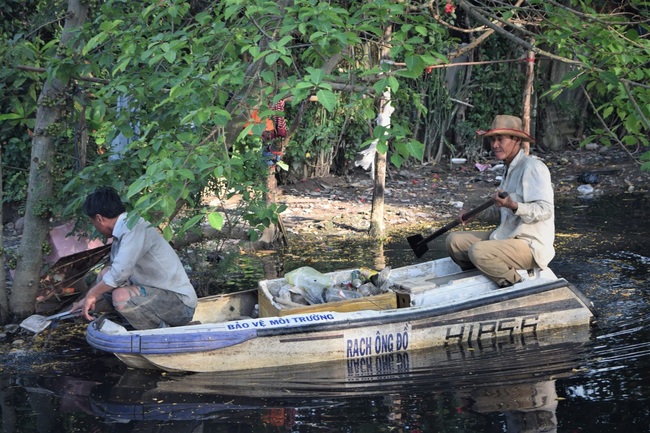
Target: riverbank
(429,194)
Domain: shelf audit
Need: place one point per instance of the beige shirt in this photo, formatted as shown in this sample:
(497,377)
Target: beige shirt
(528,181)
(140,256)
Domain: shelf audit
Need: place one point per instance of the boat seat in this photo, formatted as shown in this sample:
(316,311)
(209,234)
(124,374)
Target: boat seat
(531,274)
(429,282)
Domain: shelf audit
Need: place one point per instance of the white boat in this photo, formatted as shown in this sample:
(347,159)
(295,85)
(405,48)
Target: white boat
(431,304)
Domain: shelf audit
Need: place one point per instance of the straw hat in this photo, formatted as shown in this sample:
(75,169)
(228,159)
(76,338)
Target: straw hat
(504,124)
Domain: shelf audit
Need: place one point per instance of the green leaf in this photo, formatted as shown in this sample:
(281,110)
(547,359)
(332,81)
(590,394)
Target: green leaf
(136,187)
(415,64)
(316,76)
(167,233)
(192,222)
(168,204)
(272,58)
(415,149)
(170,56)
(607,111)
(397,160)
(609,78)
(215,219)
(327,99)
(408,73)
(393,84)
(95,41)
(10,116)
(186,173)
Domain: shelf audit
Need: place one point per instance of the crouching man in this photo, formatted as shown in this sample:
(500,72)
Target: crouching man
(146,282)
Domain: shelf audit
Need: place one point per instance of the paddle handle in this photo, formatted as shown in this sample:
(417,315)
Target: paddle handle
(63,315)
(471,214)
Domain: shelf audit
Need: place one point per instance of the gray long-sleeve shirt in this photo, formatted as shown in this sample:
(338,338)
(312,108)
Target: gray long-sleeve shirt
(141,256)
(528,181)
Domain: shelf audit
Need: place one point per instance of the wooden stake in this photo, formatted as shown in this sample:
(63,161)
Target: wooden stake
(528,91)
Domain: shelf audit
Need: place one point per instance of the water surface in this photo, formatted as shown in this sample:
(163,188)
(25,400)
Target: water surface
(593,381)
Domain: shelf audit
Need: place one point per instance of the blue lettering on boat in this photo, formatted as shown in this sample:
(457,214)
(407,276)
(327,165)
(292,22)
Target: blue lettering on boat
(313,318)
(401,341)
(383,343)
(238,325)
(377,345)
(276,321)
(359,347)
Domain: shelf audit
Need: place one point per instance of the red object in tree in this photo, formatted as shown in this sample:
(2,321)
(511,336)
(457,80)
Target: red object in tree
(275,127)
(450,8)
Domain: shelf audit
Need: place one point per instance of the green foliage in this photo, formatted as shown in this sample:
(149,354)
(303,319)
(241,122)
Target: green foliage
(180,65)
(613,49)
(191,72)
(498,87)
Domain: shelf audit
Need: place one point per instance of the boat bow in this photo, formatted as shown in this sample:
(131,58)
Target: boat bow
(112,337)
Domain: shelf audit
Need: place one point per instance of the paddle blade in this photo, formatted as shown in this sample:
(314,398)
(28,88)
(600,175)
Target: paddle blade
(418,247)
(36,323)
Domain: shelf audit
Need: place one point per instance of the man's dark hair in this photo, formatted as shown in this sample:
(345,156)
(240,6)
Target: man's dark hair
(105,202)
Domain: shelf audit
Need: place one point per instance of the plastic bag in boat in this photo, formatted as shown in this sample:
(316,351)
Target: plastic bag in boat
(312,283)
(336,294)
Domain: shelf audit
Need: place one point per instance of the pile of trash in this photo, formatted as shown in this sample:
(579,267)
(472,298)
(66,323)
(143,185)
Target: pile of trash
(306,286)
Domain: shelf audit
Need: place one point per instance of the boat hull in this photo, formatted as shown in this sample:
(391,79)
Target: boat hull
(466,309)
(526,382)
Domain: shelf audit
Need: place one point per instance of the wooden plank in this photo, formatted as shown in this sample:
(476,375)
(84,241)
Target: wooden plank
(266,307)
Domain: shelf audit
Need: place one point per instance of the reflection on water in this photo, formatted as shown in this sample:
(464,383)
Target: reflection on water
(593,382)
(452,388)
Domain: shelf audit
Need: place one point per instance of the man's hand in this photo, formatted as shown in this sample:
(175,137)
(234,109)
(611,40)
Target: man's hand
(460,218)
(507,202)
(85,305)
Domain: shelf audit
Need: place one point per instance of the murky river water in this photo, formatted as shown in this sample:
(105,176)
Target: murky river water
(596,381)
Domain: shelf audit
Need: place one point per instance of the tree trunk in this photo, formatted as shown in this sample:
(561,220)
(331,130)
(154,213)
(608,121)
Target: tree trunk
(4,300)
(377,214)
(39,190)
(384,118)
(561,119)
(528,92)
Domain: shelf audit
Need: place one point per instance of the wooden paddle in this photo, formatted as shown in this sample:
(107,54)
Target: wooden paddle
(419,244)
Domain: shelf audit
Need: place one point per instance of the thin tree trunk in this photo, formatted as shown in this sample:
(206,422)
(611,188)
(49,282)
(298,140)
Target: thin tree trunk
(40,187)
(377,215)
(528,92)
(4,299)
(385,112)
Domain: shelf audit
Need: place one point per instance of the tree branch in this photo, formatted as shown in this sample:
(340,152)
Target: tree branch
(43,70)
(471,10)
(609,131)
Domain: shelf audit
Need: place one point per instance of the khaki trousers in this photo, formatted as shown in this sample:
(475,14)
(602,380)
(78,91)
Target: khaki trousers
(498,259)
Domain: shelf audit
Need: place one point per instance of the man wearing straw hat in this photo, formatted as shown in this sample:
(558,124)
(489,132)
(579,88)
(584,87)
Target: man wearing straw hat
(524,237)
